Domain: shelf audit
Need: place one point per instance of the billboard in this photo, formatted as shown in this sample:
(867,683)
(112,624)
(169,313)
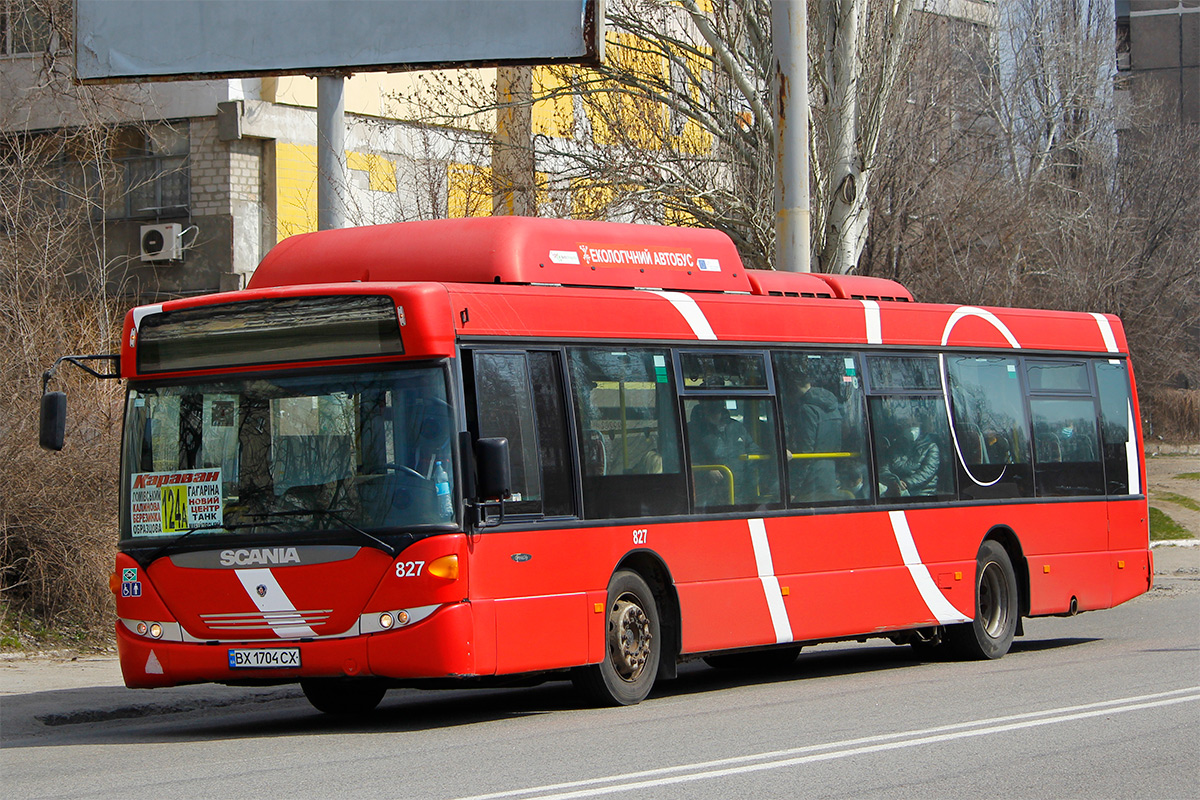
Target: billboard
(137,40)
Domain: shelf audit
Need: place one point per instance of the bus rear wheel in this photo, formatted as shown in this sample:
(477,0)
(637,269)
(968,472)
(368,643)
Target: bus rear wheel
(344,696)
(991,633)
(633,646)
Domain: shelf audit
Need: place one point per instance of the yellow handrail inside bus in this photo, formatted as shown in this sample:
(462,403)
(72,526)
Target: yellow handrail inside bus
(720,468)
(798,456)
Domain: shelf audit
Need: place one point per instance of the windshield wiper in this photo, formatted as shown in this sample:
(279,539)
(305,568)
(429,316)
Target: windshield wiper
(374,541)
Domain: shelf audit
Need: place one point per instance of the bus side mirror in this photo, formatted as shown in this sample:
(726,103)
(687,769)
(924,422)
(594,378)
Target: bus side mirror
(494,468)
(53,429)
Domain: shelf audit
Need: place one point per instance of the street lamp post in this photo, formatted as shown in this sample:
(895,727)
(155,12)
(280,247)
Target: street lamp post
(789,92)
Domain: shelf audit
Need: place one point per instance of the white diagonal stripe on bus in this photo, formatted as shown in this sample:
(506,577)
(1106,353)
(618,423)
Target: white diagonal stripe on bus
(770,583)
(1131,452)
(941,608)
(962,312)
(874,326)
(274,600)
(690,312)
(1106,332)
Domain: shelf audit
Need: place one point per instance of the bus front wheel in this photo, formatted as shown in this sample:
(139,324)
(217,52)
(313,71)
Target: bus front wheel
(633,645)
(991,633)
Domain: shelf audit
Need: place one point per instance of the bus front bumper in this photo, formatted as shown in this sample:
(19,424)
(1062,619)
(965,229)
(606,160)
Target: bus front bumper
(437,647)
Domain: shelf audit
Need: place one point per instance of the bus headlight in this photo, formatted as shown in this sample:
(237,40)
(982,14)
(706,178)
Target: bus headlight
(385,620)
(156,630)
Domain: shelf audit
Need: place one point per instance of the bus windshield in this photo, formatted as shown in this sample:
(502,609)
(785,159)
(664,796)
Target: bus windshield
(286,454)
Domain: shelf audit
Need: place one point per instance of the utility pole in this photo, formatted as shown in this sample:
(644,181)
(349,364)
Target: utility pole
(789,93)
(513,165)
(331,152)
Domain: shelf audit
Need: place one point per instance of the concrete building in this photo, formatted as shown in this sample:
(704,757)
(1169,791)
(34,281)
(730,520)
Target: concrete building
(1158,55)
(216,172)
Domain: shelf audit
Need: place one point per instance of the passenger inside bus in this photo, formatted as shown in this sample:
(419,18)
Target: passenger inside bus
(852,481)
(815,427)
(722,448)
(911,464)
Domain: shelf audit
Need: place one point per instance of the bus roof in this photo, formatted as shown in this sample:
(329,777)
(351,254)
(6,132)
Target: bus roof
(528,250)
(512,277)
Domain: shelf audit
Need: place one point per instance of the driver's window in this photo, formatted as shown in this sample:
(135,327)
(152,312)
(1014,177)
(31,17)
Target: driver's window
(504,408)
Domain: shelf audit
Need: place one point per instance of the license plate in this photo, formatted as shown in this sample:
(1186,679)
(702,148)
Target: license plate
(273,658)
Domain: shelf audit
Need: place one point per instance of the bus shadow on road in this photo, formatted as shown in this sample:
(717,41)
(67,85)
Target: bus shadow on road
(1037,645)
(838,661)
(282,711)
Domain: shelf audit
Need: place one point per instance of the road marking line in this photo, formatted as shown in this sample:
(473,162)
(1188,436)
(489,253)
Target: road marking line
(708,770)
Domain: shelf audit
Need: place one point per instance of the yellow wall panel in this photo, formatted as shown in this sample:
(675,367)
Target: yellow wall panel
(295,188)
(469,190)
(590,200)
(554,116)
(381,173)
(617,117)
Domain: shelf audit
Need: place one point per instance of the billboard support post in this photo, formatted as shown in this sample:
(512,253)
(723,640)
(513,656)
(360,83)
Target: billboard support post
(331,152)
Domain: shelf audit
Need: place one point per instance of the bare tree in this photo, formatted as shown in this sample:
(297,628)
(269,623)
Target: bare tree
(57,296)
(676,125)
(1004,183)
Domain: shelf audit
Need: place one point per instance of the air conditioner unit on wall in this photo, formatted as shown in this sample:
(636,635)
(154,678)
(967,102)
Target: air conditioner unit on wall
(162,242)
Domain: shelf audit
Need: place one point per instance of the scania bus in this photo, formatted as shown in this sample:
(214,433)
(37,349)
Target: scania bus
(507,449)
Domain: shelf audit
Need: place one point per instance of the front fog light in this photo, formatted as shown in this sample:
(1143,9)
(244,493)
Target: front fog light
(141,629)
(385,621)
(155,630)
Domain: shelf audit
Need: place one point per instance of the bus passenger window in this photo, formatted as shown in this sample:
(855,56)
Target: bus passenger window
(1065,446)
(628,433)
(732,448)
(912,444)
(1117,428)
(991,430)
(824,424)
(911,433)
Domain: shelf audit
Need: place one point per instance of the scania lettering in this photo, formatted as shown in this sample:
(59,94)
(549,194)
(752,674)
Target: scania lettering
(483,448)
(274,555)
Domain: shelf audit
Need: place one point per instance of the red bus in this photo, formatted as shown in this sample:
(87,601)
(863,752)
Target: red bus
(501,449)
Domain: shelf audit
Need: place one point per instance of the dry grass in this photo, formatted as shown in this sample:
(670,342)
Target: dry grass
(1172,415)
(58,511)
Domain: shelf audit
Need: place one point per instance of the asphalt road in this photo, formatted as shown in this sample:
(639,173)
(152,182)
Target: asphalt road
(1106,704)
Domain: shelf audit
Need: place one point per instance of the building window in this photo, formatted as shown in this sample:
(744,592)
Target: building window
(25,27)
(148,175)
(136,173)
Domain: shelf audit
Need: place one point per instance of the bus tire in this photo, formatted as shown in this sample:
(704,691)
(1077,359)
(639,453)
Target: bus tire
(342,696)
(633,646)
(997,612)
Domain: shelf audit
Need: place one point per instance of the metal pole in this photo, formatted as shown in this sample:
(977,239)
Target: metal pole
(789,38)
(331,149)
(513,181)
